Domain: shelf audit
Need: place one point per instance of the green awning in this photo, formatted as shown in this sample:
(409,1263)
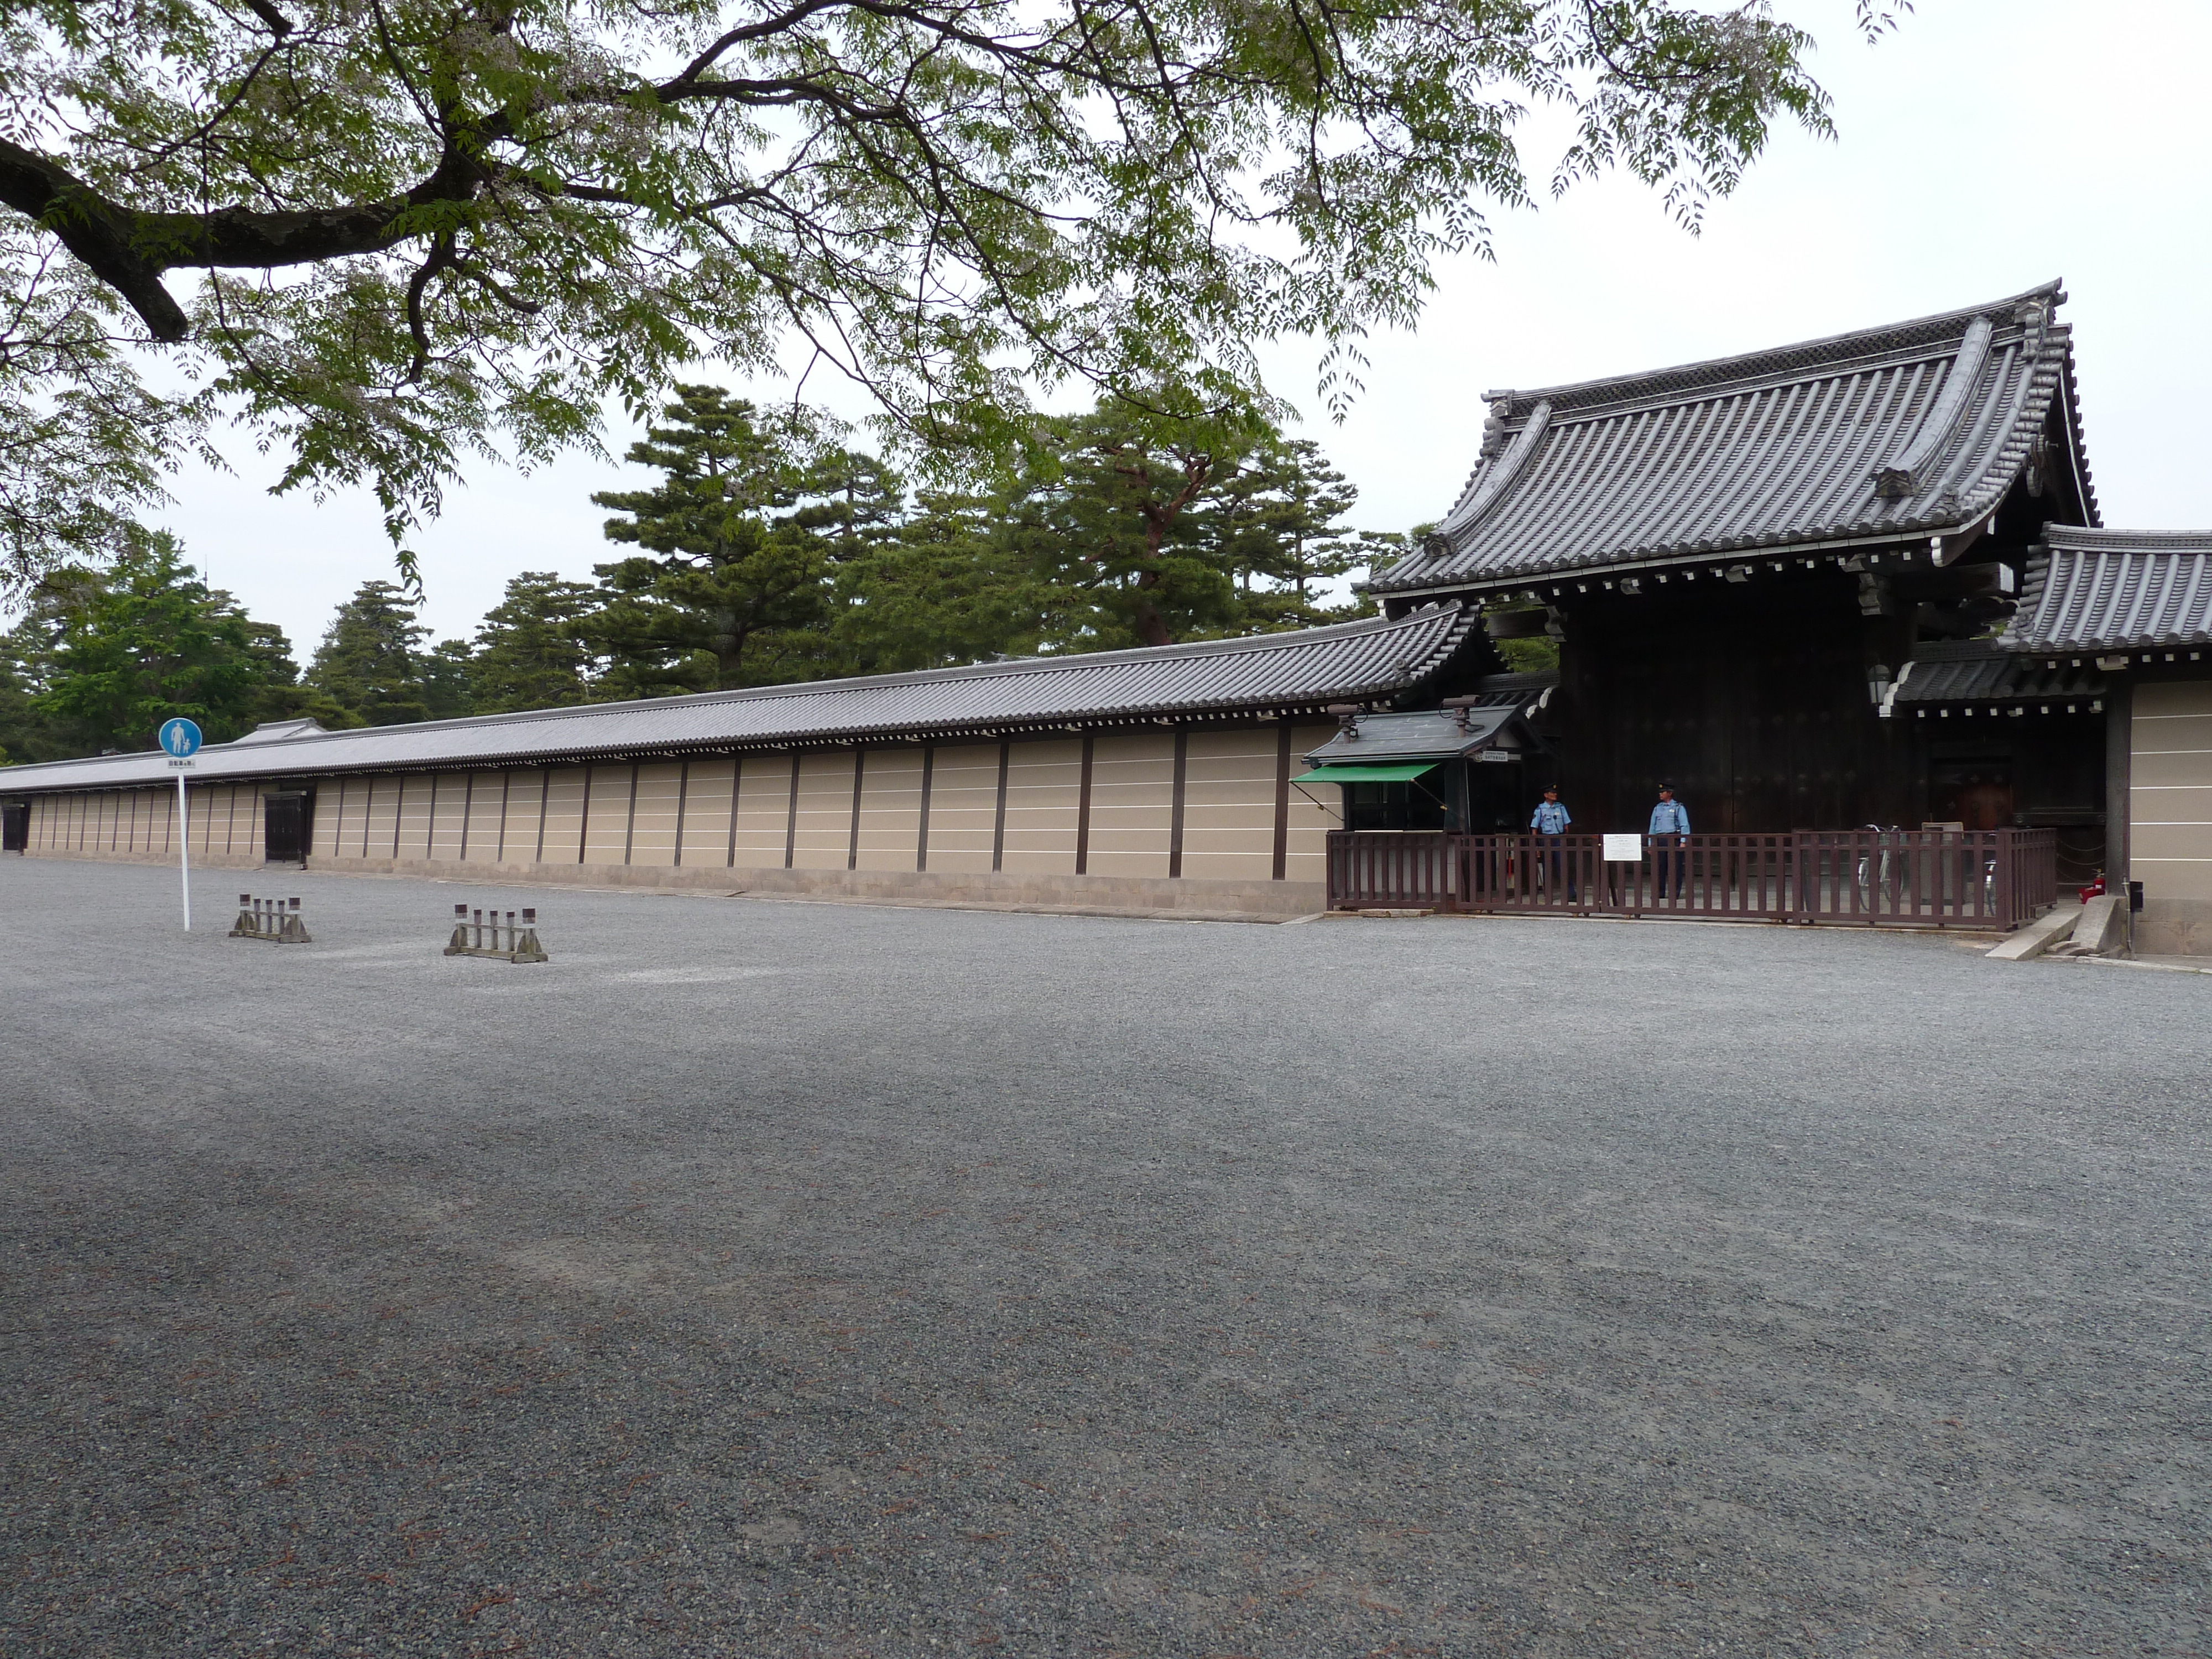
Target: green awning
(1376,773)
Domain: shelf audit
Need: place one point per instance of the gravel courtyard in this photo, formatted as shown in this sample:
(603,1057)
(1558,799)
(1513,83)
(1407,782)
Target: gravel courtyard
(779,1278)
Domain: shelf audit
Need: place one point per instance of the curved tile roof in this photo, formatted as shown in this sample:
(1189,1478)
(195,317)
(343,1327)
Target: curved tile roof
(1978,671)
(1358,661)
(2117,590)
(1916,427)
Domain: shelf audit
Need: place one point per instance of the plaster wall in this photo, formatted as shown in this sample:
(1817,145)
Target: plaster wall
(2170,815)
(1013,819)
(709,802)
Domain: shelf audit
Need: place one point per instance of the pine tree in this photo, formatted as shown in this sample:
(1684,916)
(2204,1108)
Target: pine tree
(529,651)
(735,553)
(1109,510)
(951,585)
(370,662)
(1278,519)
(1154,529)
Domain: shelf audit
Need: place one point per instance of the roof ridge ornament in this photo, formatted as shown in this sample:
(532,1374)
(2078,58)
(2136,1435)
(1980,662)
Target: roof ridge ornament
(1493,430)
(1501,471)
(1904,475)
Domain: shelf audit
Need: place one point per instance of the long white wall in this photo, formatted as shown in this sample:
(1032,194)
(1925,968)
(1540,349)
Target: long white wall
(1206,805)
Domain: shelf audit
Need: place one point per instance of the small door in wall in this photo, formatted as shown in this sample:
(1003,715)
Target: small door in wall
(287,826)
(14,826)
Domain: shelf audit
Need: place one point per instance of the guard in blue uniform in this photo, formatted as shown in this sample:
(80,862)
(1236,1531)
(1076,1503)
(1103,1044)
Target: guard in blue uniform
(1552,819)
(1670,825)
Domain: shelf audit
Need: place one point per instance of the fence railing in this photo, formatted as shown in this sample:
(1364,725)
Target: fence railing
(1986,879)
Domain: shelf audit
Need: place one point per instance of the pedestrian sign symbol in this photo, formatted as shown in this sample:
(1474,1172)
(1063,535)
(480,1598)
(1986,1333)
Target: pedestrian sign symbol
(180,740)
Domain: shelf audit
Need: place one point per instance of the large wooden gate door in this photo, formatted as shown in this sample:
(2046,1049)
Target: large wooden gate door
(287,827)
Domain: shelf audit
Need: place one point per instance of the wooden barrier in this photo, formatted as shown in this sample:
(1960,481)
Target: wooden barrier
(1991,880)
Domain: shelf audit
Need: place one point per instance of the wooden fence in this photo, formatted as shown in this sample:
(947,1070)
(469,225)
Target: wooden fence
(1986,879)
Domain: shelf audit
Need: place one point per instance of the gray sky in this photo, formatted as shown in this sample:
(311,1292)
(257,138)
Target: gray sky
(1988,146)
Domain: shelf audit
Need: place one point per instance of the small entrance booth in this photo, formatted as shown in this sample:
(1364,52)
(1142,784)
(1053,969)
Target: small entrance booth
(1456,769)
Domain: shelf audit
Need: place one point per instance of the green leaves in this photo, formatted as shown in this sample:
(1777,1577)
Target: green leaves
(735,525)
(371,664)
(145,639)
(392,238)
(529,652)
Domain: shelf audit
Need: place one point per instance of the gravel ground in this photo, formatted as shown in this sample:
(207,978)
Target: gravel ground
(776,1279)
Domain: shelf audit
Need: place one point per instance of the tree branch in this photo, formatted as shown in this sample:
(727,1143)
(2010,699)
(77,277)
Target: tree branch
(130,250)
(92,228)
(279,25)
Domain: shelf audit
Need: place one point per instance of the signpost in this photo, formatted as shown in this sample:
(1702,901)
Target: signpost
(180,740)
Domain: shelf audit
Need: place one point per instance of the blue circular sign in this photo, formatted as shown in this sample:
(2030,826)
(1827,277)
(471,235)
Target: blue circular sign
(180,738)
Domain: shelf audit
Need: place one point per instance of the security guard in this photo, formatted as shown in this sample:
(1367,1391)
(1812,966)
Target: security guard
(1670,823)
(1552,819)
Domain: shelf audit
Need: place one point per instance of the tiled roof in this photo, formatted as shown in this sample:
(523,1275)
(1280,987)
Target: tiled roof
(1919,427)
(1424,734)
(1359,661)
(1978,671)
(2115,590)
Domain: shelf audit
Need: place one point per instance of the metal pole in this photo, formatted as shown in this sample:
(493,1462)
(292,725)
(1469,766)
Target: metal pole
(183,852)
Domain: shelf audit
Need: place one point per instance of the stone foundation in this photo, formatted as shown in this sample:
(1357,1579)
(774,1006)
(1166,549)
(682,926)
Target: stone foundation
(1132,894)
(2174,928)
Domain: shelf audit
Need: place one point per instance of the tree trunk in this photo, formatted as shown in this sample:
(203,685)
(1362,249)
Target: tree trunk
(1151,627)
(729,651)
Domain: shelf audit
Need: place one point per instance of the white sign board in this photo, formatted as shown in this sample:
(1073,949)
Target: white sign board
(1624,849)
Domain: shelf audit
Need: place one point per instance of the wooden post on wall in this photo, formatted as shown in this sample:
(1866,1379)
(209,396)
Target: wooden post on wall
(629,819)
(682,795)
(998,819)
(921,830)
(2120,755)
(1174,820)
(584,818)
(1082,808)
(737,776)
(853,845)
(544,801)
(791,815)
(1282,798)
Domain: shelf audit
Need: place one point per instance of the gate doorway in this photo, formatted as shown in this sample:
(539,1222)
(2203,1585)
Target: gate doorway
(16,827)
(288,826)
(1975,794)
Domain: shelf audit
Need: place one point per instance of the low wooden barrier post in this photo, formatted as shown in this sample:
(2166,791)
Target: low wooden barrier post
(273,921)
(475,936)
